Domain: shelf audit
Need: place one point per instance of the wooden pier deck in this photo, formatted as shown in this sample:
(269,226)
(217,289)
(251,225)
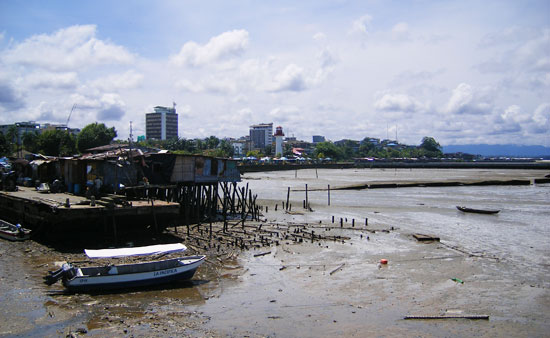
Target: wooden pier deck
(50,211)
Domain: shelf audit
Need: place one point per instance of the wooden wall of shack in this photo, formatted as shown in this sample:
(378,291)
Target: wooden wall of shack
(159,169)
(110,171)
(173,169)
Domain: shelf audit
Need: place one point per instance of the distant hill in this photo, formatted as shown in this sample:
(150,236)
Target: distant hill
(509,150)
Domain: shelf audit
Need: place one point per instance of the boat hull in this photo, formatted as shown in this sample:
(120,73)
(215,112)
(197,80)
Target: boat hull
(12,233)
(478,211)
(86,283)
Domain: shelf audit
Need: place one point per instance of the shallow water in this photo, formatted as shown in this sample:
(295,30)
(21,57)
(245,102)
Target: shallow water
(520,233)
(505,273)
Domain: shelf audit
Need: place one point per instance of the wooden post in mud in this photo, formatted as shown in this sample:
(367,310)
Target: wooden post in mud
(243,204)
(187,208)
(366,221)
(224,212)
(316,174)
(341,222)
(210,234)
(233,198)
(287,197)
(307,203)
(328,189)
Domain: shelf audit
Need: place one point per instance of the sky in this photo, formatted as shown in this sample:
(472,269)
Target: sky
(463,72)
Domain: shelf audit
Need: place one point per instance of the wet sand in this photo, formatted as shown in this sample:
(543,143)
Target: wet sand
(291,292)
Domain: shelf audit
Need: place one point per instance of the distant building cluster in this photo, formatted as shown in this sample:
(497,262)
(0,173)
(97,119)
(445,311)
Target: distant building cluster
(162,124)
(262,138)
(33,127)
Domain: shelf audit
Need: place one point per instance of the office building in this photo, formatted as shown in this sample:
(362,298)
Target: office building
(162,124)
(261,136)
(318,139)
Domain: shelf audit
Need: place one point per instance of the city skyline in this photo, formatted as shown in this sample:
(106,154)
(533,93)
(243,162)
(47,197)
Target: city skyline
(461,72)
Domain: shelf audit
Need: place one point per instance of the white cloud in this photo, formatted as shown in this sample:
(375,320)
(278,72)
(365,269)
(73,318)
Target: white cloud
(225,45)
(126,80)
(398,103)
(514,113)
(361,25)
(541,119)
(49,80)
(542,114)
(400,31)
(468,100)
(112,113)
(211,85)
(526,63)
(241,116)
(319,36)
(292,78)
(306,70)
(189,86)
(10,97)
(68,49)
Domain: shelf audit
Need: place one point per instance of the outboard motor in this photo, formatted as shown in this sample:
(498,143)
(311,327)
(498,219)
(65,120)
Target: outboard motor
(54,276)
(20,232)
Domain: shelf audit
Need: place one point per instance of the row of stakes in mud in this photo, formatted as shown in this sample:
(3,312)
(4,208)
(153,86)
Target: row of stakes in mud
(250,236)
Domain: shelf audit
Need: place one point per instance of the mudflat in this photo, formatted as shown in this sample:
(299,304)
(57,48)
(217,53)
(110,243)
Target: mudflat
(335,284)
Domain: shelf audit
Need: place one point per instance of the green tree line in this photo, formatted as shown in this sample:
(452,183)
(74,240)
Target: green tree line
(56,142)
(209,146)
(349,150)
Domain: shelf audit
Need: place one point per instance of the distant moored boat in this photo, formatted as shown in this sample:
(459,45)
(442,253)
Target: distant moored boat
(477,211)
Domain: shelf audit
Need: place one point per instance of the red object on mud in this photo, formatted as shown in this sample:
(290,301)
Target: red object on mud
(383,261)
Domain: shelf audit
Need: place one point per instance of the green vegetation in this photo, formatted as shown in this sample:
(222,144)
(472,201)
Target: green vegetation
(57,143)
(62,143)
(5,146)
(210,146)
(95,135)
(348,149)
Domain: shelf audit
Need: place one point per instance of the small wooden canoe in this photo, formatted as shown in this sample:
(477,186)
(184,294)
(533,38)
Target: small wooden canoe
(477,211)
(13,232)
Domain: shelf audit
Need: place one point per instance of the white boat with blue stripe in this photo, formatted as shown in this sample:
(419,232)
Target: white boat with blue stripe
(117,276)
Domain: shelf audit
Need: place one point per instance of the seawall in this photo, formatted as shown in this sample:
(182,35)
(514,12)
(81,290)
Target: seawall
(406,165)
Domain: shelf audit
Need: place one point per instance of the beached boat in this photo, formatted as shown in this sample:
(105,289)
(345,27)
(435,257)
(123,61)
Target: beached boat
(13,232)
(477,211)
(116,276)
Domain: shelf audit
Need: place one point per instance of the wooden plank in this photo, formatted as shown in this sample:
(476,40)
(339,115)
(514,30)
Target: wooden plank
(338,268)
(423,238)
(475,317)
(262,254)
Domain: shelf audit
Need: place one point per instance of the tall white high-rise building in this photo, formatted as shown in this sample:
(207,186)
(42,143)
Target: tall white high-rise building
(162,124)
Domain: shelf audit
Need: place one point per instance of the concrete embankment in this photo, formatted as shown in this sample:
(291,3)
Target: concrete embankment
(385,185)
(399,165)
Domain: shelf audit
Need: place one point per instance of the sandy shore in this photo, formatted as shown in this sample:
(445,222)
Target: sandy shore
(324,288)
